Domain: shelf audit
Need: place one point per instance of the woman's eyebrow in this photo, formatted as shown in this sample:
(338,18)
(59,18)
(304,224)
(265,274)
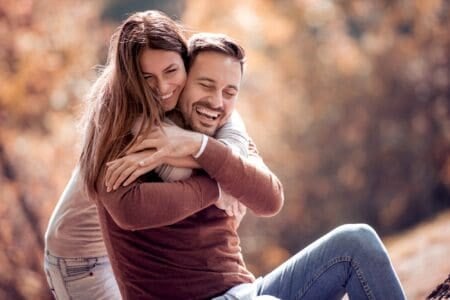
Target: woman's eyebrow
(165,69)
(170,66)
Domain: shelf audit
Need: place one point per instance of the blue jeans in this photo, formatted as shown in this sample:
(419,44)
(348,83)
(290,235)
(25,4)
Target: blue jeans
(81,278)
(350,259)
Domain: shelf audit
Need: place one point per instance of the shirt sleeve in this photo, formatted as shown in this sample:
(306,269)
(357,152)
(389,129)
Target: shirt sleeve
(170,173)
(247,179)
(234,134)
(144,205)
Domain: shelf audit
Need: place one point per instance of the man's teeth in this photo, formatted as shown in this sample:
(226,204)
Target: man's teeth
(207,113)
(167,96)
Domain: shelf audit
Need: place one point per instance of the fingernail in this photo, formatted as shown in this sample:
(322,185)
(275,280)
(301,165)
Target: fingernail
(141,163)
(108,189)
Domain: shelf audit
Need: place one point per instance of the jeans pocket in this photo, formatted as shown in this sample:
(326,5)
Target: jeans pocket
(78,271)
(97,283)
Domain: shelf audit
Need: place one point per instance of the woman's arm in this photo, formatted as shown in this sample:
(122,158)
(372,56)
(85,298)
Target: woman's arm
(233,134)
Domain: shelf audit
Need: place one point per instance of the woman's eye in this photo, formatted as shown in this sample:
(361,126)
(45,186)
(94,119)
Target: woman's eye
(205,85)
(171,70)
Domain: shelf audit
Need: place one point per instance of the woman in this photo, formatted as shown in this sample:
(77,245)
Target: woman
(143,78)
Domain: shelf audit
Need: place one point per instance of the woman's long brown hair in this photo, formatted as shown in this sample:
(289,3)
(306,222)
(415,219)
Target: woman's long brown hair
(121,94)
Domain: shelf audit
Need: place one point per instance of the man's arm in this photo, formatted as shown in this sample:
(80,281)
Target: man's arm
(144,205)
(248,180)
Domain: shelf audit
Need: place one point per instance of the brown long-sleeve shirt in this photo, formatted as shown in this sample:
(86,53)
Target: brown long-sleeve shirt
(167,240)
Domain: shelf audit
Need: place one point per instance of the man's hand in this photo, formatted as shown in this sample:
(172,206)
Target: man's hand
(170,141)
(231,206)
(126,169)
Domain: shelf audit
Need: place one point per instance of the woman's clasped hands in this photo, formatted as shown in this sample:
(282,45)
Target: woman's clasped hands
(165,144)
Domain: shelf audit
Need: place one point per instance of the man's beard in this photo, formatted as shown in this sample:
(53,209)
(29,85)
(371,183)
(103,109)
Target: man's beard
(195,126)
(210,132)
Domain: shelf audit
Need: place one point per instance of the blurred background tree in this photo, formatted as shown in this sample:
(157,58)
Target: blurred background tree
(348,102)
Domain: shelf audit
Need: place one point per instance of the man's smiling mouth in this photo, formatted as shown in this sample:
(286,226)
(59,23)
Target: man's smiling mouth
(207,113)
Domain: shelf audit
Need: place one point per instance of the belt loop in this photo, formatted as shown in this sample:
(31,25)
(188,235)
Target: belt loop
(62,265)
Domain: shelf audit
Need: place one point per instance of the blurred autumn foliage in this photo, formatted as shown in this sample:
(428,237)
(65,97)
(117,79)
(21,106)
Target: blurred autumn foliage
(348,102)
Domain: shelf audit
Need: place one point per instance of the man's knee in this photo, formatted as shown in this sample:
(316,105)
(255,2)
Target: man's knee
(360,235)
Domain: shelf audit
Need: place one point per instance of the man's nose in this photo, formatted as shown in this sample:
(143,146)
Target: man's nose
(217,100)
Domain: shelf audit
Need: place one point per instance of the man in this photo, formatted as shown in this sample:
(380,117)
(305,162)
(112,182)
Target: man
(167,240)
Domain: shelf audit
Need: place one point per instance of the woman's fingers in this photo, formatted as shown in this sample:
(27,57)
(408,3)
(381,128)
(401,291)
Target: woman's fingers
(229,211)
(124,175)
(145,144)
(136,174)
(141,170)
(154,159)
(235,207)
(116,171)
(111,167)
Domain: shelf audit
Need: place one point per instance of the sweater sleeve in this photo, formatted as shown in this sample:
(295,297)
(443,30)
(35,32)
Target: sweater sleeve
(234,134)
(144,205)
(247,179)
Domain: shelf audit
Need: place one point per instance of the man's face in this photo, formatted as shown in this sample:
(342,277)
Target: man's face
(211,90)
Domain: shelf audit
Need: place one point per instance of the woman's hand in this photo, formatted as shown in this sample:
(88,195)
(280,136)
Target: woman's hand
(126,169)
(231,206)
(170,141)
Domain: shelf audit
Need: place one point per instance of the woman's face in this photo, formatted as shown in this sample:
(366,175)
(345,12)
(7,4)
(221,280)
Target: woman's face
(164,71)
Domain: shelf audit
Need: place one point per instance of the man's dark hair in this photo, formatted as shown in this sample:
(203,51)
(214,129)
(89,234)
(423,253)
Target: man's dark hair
(216,42)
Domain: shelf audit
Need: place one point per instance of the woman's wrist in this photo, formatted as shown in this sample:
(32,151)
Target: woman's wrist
(204,141)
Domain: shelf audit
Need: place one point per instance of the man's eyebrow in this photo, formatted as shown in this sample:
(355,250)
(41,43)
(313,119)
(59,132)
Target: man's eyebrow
(209,80)
(232,86)
(206,79)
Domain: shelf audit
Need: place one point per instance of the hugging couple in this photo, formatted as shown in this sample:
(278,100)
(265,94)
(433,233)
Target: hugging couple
(166,174)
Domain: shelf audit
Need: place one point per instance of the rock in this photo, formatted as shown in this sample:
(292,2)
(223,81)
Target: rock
(442,291)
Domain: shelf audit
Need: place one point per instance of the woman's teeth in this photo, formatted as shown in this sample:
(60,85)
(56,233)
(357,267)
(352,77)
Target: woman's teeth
(167,96)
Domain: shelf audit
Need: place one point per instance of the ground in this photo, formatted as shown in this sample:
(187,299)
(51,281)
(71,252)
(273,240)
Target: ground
(421,256)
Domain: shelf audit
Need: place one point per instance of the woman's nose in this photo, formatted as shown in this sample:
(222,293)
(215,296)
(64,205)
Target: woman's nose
(163,87)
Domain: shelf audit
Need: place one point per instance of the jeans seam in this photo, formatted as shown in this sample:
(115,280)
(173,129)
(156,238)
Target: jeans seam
(353,264)
(362,279)
(331,263)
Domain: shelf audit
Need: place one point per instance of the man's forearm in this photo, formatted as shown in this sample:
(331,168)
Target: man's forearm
(144,205)
(249,181)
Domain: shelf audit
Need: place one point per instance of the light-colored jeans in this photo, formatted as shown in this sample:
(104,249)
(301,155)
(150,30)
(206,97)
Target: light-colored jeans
(80,278)
(350,259)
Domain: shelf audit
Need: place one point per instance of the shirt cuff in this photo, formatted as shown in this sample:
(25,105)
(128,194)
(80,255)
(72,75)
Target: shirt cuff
(202,147)
(220,191)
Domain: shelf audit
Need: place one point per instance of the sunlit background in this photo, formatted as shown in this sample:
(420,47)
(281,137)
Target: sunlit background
(348,102)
